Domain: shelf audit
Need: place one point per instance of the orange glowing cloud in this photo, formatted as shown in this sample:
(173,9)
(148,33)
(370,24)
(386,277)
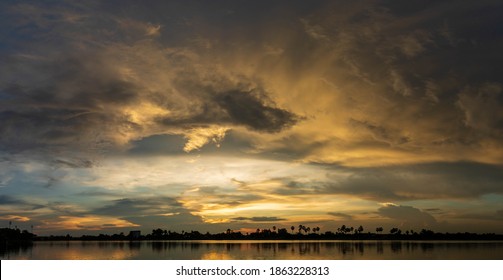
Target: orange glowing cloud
(85,223)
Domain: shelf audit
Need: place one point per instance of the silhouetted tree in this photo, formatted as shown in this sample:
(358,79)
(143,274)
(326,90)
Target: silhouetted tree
(379,229)
(395,231)
(360,229)
(426,232)
(282,232)
(157,233)
(342,229)
(292,228)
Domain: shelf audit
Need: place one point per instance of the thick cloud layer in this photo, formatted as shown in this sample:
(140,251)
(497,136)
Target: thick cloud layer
(88,103)
(413,182)
(408,215)
(65,94)
(395,83)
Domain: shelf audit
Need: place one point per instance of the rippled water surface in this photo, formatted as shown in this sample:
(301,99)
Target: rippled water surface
(283,250)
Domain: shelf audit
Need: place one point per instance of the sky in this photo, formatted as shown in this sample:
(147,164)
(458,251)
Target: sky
(214,115)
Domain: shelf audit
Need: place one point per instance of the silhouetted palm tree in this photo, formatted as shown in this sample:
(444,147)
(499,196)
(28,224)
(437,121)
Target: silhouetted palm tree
(292,228)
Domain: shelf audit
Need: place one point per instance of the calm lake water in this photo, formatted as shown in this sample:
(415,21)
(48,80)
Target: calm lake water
(256,250)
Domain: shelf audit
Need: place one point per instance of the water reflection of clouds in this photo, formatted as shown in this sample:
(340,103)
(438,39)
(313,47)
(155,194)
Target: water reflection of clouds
(266,250)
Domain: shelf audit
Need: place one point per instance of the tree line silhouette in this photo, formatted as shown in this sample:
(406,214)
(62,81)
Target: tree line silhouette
(300,232)
(15,236)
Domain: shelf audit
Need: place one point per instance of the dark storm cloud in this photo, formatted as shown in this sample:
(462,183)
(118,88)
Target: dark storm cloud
(83,104)
(72,109)
(421,181)
(153,212)
(498,216)
(57,207)
(258,219)
(237,107)
(7,199)
(249,110)
(19,203)
(138,207)
(407,214)
(150,213)
(408,55)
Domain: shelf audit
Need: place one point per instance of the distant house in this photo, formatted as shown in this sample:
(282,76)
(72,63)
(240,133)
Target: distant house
(135,234)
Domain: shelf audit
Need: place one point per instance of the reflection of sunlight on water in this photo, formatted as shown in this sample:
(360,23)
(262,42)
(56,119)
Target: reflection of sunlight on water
(216,256)
(258,250)
(86,251)
(77,254)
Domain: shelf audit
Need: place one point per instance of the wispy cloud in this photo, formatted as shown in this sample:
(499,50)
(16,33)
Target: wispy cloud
(258,219)
(340,215)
